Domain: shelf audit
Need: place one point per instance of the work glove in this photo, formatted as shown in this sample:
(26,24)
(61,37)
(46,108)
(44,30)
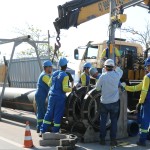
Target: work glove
(103,70)
(117,69)
(138,107)
(123,84)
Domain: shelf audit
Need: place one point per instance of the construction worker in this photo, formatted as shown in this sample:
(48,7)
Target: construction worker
(42,92)
(85,77)
(143,105)
(109,101)
(104,54)
(56,103)
(94,73)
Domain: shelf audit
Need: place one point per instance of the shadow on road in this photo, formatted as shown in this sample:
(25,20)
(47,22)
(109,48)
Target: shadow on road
(20,119)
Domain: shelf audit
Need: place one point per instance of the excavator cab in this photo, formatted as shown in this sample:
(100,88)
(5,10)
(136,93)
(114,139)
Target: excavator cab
(130,57)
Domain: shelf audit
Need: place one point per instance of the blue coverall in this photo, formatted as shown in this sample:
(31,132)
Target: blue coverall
(105,53)
(56,103)
(40,97)
(145,117)
(144,114)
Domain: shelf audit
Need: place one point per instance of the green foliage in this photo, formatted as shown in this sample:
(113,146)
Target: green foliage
(36,35)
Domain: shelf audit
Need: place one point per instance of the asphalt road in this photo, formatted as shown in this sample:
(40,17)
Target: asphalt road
(12,130)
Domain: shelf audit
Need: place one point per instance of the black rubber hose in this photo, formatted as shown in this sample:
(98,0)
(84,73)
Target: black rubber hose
(75,103)
(91,109)
(132,128)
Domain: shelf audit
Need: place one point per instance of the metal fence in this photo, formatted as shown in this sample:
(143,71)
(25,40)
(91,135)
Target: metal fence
(24,72)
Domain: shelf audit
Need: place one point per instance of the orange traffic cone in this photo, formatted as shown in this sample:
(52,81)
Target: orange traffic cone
(28,139)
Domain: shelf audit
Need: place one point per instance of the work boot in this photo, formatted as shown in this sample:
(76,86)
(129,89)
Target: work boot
(102,142)
(141,143)
(49,129)
(40,134)
(113,142)
(37,131)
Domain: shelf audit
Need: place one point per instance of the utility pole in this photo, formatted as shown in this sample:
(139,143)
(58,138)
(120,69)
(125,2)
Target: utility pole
(112,28)
(122,120)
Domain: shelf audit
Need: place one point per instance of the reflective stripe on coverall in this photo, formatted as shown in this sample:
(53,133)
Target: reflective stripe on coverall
(56,103)
(40,97)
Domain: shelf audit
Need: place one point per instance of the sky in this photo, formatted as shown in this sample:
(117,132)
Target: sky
(42,13)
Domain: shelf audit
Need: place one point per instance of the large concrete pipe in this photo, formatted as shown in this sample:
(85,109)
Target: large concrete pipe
(19,98)
(132,128)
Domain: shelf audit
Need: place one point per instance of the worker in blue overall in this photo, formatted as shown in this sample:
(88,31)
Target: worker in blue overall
(85,77)
(104,54)
(57,98)
(143,105)
(94,73)
(42,92)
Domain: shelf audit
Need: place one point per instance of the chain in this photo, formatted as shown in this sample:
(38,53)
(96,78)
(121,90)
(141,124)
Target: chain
(57,46)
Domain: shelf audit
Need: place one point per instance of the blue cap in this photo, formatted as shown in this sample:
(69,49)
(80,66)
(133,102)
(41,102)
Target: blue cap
(87,65)
(147,62)
(63,61)
(47,63)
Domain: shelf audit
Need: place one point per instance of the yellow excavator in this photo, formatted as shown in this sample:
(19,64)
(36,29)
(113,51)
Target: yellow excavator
(84,104)
(76,12)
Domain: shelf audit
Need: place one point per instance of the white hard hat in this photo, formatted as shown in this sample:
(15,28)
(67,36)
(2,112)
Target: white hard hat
(93,71)
(109,62)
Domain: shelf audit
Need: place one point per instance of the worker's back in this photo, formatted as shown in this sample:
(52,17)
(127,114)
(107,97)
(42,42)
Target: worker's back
(109,86)
(57,81)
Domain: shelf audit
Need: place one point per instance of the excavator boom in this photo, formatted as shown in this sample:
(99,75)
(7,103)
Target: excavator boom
(76,12)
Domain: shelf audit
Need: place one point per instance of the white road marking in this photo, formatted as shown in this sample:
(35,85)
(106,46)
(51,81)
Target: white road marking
(11,142)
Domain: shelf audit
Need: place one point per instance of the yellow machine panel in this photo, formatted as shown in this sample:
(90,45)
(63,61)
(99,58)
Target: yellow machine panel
(147,2)
(97,9)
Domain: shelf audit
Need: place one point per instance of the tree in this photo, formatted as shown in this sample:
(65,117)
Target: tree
(142,37)
(36,34)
